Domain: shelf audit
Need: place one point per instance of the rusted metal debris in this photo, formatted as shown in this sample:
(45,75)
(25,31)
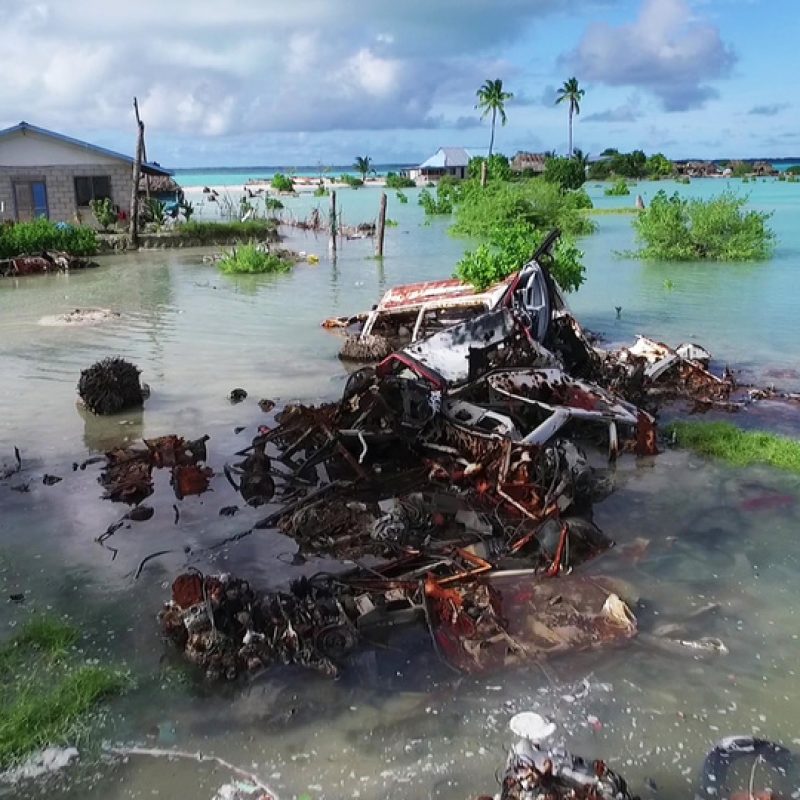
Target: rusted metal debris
(460,462)
(52,261)
(128,472)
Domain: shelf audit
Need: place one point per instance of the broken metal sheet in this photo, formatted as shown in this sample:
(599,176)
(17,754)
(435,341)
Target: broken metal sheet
(500,622)
(560,398)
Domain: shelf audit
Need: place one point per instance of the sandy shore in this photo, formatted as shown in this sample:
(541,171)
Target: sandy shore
(301,186)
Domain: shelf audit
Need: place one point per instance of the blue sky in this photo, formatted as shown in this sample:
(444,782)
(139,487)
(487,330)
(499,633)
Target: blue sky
(289,84)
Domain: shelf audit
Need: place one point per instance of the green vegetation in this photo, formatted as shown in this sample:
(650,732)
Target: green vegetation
(740,169)
(187,209)
(320,191)
(254,260)
(658,166)
(572,94)
(618,189)
(155,211)
(225,232)
(534,202)
(29,238)
(568,173)
(46,689)
(508,248)
(793,170)
(601,212)
(736,446)
(395,181)
(492,100)
(273,204)
(448,193)
(363,165)
(401,197)
(282,183)
(391,223)
(104,212)
(498,167)
(676,229)
(351,181)
(628,165)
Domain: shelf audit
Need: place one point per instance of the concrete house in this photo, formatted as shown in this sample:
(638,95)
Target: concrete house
(47,174)
(452,161)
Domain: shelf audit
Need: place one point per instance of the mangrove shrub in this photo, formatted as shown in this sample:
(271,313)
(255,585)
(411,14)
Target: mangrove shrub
(676,229)
(498,167)
(251,259)
(282,183)
(618,189)
(395,181)
(30,238)
(568,173)
(508,248)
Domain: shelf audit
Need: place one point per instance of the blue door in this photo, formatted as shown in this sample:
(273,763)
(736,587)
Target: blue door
(30,199)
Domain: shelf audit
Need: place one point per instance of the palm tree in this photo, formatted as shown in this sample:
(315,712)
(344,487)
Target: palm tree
(571,92)
(492,98)
(363,164)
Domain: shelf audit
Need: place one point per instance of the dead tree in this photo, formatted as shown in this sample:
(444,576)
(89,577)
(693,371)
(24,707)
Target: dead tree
(137,171)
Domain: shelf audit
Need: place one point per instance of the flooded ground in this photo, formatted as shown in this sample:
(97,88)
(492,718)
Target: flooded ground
(690,534)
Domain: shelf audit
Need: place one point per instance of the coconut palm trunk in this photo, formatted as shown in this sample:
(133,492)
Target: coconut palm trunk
(491,138)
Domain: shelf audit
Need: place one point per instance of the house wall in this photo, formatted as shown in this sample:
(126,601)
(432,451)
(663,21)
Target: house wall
(27,155)
(60,183)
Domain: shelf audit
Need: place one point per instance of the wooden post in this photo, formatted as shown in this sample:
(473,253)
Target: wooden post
(381,227)
(332,221)
(484,172)
(137,171)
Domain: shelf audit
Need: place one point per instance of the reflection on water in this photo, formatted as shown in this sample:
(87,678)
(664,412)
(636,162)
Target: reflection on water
(707,550)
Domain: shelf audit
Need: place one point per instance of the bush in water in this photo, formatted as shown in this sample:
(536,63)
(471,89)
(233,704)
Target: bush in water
(249,258)
(30,238)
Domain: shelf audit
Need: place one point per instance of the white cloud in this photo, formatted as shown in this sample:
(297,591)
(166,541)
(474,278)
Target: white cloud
(666,50)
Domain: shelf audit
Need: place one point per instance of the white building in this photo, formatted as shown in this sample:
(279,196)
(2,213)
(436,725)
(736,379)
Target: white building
(452,161)
(47,174)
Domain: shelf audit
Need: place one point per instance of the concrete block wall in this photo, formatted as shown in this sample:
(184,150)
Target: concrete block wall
(60,183)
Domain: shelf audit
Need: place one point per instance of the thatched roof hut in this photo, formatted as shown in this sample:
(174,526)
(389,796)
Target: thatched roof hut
(158,184)
(533,162)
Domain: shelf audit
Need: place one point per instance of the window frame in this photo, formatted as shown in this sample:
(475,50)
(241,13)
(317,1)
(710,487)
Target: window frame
(94,193)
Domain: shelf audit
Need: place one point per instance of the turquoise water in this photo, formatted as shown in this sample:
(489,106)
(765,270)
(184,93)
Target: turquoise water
(399,726)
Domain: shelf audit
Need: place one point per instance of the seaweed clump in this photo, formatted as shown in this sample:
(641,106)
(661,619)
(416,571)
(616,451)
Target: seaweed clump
(110,386)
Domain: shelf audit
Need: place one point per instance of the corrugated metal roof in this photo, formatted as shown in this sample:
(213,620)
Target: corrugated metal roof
(446,157)
(22,127)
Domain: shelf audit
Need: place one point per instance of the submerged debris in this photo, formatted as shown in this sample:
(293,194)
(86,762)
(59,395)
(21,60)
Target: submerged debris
(52,261)
(110,386)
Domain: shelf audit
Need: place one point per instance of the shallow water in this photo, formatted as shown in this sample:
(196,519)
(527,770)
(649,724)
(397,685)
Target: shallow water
(398,725)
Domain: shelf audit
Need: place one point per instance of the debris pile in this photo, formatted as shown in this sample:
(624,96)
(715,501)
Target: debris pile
(460,462)
(52,261)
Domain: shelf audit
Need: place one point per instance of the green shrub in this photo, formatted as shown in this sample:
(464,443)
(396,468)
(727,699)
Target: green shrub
(402,197)
(155,211)
(282,183)
(104,212)
(568,173)
(187,209)
(534,202)
(736,446)
(794,169)
(320,191)
(618,189)
(29,238)
(659,166)
(498,167)
(676,229)
(449,192)
(391,223)
(351,181)
(509,248)
(249,258)
(395,181)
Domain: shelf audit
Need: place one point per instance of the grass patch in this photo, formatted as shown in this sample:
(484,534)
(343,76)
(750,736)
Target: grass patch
(249,259)
(736,446)
(603,212)
(228,232)
(46,691)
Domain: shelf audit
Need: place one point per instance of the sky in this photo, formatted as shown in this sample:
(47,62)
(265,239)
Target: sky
(307,82)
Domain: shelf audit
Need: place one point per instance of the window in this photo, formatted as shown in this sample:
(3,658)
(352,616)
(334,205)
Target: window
(92,187)
(30,200)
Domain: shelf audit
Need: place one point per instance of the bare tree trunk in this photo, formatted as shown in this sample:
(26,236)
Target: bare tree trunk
(570,130)
(381,227)
(137,171)
(491,140)
(332,222)
(484,173)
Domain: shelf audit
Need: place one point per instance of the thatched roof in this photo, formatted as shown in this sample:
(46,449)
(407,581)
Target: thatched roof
(158,184)
(531,161)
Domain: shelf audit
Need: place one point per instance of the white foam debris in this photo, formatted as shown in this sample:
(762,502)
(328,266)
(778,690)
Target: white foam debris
(80,316)
(51,759)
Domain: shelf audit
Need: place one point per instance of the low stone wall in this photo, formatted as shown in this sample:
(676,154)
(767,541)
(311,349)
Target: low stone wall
(120,242)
